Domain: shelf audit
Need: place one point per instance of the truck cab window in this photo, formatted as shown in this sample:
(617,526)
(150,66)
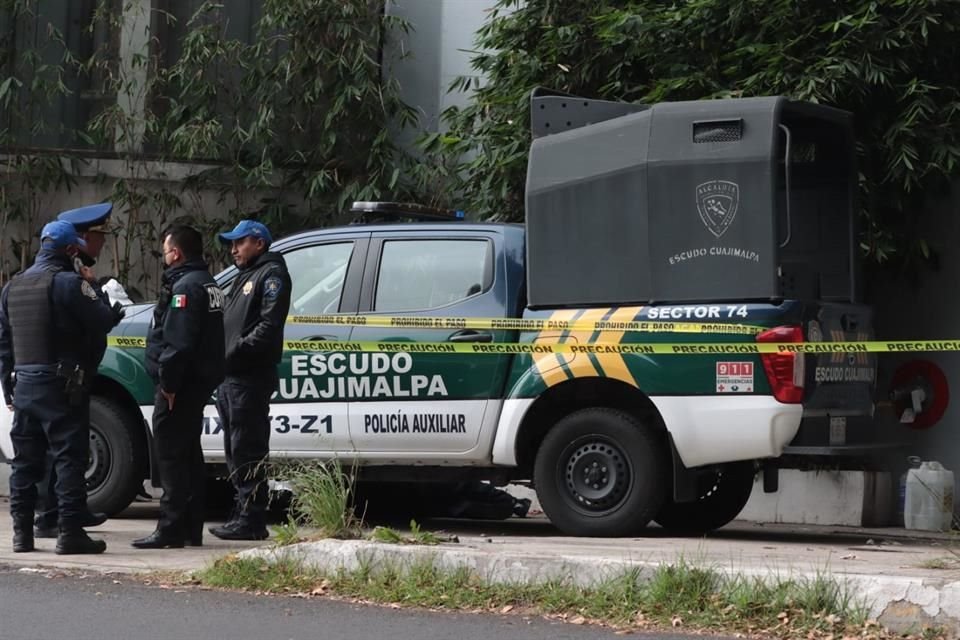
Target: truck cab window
(428,274)
(317,273)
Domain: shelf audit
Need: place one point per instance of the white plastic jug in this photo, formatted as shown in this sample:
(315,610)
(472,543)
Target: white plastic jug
(929,500)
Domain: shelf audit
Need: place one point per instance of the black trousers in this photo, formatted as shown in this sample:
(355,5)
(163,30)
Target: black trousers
(47,512)
(45,420)
(176,433)
(244,407)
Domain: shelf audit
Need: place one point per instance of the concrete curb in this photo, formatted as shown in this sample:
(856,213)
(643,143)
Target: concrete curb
(903,604)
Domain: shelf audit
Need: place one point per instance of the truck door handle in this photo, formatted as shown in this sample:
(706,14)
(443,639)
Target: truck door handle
(469,335)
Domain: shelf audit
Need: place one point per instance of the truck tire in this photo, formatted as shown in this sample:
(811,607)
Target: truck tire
(722,496)
(113,477)
(601,472)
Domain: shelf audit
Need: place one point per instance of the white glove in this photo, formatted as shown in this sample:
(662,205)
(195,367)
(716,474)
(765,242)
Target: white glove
(115,292)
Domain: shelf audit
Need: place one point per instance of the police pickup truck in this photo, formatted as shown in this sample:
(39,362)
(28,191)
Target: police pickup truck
(660,244)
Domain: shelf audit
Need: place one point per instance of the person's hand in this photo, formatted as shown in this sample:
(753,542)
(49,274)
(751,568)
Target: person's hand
(170,398)
(9,407)
(87,274)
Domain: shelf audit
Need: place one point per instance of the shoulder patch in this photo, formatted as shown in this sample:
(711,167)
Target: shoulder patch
(272,287)
(215,297)
(87,289)
(178,301)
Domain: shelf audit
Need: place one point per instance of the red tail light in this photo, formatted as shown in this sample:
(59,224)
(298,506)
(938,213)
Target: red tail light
(785,371)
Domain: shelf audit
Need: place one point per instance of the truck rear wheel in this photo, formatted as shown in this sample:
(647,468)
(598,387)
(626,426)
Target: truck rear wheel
(722,495)
(601,472)
(112,476)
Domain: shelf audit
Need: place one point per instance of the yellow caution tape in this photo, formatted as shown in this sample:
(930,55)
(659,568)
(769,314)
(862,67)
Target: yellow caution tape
(524,324)
(636,348)
(672,348)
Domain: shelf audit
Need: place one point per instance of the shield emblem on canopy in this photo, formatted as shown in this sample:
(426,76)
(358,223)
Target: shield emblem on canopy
(717,202)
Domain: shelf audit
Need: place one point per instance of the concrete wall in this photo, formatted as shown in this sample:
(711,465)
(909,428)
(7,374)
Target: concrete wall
(925,308)
(95,182)
(435,52)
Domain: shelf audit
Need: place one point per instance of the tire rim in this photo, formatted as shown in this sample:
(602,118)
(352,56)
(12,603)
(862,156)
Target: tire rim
(98,467)
(597,475)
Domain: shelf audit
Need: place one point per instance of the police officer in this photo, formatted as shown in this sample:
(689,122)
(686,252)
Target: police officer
(255,313)
(184,356)
(91,224)
(47,315)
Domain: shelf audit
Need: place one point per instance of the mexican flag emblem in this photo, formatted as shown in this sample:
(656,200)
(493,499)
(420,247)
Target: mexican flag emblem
(179,301)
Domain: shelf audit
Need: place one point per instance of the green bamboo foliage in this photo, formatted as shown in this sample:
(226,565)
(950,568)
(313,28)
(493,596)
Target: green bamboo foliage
(891,62)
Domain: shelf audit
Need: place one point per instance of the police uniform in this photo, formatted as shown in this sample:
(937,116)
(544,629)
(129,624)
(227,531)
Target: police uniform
(184,356)
(47,316)
(254,316)
(89,218)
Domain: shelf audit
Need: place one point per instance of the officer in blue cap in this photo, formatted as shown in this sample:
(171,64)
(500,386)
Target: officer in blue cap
(48,315)
(253,319)
(91,225)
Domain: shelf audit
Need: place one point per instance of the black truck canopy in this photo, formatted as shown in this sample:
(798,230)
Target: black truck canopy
(746,199)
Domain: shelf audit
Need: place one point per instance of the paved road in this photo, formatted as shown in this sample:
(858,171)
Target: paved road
(43,606)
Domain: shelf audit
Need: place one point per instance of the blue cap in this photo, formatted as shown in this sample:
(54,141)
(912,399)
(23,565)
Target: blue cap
(59,234)
(246,228)
(90,218)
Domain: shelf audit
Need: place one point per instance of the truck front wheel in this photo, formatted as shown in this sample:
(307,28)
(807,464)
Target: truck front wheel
(601,472)
(722,495)
(112,476)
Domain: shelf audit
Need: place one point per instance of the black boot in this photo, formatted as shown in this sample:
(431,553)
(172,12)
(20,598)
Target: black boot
(241,530)
(159,540)
(87,519)
(74,540)
(22,535)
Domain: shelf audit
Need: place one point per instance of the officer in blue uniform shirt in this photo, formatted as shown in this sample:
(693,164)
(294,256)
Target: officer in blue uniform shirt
(48,315)
(91,225)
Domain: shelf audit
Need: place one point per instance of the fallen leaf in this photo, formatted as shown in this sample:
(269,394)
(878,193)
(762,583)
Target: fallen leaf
(852,556)
(578,620)
(833,618)
(507,609)
(676,621)
(782,615)
(394,605)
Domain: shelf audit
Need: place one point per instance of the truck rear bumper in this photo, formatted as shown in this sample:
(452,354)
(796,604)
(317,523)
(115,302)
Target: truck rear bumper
(713,429)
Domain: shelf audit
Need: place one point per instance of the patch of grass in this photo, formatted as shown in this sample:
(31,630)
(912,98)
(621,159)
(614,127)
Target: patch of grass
(322,499)
(417,536)
(679,595)
(938,563)
(276,576)
(287,532)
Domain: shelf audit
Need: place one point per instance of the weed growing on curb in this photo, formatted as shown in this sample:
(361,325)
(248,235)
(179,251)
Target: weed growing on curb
(322,500)
(417,536)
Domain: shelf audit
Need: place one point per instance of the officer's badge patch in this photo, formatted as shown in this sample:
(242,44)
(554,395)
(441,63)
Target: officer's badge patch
(272,287)
(87,290)
(247,288)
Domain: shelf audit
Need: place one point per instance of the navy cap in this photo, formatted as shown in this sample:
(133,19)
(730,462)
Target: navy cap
(247,228)
(90,218)
(59,234)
